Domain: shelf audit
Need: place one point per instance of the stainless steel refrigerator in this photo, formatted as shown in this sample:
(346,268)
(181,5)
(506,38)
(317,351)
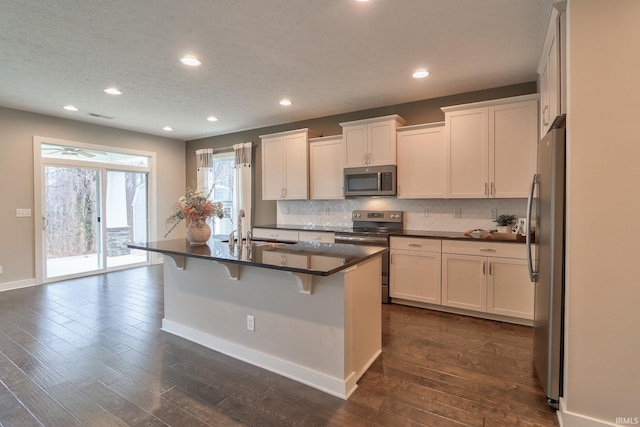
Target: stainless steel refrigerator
(545,250)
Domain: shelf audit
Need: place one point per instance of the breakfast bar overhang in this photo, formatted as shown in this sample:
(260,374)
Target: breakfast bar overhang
(315,307)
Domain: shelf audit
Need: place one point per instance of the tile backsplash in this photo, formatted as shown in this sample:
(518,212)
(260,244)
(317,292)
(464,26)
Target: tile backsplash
(424,214)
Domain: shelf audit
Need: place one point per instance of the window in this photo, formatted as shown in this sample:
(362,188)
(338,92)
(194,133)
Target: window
(219,179)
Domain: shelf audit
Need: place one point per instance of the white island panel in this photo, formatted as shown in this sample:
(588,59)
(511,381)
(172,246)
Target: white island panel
(327,339)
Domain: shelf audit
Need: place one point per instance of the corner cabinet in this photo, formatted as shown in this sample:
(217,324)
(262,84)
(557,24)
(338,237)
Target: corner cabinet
(371,142)
(285,165)
(326,176)
(421,161)
(487,277)
(490,148)
(551,80)
(415,269)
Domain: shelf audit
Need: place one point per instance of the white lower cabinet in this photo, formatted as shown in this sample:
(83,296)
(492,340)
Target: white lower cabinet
(464,282)
(415,269)
(487,277)
(287,235)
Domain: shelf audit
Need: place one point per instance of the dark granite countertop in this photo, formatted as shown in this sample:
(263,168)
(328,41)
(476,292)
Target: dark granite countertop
(443,235)
(320,259)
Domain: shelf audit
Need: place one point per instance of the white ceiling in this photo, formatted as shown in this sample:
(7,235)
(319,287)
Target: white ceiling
(327,56)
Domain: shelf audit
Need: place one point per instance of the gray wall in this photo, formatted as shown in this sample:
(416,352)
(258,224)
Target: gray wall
(425,111)
(17,128)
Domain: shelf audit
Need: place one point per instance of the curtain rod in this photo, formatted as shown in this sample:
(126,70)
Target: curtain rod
(229,148)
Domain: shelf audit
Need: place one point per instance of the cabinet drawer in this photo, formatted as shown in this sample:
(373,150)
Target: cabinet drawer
(316,236)
(485,248)
(285,260)
(275,234)
(416,244)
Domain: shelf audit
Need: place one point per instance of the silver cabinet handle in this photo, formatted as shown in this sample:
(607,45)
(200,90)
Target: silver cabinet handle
(274,235)
(490,268)
(484,267)
(415,245)
(491,189)
(545,112)
(485,189)
(491,250)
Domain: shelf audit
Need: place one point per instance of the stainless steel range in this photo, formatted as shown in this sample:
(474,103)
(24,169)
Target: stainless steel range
(373,228)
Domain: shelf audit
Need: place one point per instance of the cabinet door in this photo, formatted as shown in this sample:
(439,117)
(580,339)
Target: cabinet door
(421,163)
(382,143)
(415,276)
(513,135)
(509,291)
(464,282)
(355,146)
(272,168)
(296,176)
(326,169)
(467,152)
(550,83)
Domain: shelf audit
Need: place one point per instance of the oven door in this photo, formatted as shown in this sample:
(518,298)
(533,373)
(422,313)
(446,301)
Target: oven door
(371,240)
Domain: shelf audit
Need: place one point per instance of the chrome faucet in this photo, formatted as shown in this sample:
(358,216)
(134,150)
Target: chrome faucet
(232,240)
(240,217)
(248,241)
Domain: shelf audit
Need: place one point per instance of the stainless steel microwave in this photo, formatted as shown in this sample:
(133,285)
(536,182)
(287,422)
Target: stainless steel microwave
(370,181)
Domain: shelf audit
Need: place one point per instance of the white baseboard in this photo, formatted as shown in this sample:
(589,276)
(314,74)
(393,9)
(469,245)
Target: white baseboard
(7,286)
(572,419)
(323,382)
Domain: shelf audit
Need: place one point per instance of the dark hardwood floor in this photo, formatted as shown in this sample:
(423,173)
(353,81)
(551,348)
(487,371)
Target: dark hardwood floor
(90,352)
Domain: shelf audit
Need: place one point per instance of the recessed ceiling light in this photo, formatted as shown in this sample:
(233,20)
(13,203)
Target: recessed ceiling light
(112,91)
(420,74)
(212,119)
(167,128)
(191,61)
(70,108)
(285,102)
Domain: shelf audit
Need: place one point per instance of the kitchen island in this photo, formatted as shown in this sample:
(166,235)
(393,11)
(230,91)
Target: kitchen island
(307,311)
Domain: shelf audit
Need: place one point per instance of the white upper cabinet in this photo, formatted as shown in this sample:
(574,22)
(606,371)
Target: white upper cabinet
(326,174)
(420,151)
(371,142)
(467,153)
(490,148)
(551,70)
(285,165)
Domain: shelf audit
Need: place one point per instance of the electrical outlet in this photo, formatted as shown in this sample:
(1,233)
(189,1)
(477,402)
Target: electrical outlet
(327,211)
(457,213)
(251,323)
(494,213)
(425,212)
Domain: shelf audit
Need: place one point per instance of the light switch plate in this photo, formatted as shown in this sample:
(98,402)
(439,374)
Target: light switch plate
(23,213)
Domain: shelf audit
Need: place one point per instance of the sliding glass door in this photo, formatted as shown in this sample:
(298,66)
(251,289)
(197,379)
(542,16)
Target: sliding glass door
(126,218)
(94,203)
(72,230)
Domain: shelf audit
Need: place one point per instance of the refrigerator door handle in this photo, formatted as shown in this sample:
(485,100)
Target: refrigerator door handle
(533,275)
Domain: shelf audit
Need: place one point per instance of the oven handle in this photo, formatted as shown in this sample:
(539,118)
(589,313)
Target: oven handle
(359,239)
